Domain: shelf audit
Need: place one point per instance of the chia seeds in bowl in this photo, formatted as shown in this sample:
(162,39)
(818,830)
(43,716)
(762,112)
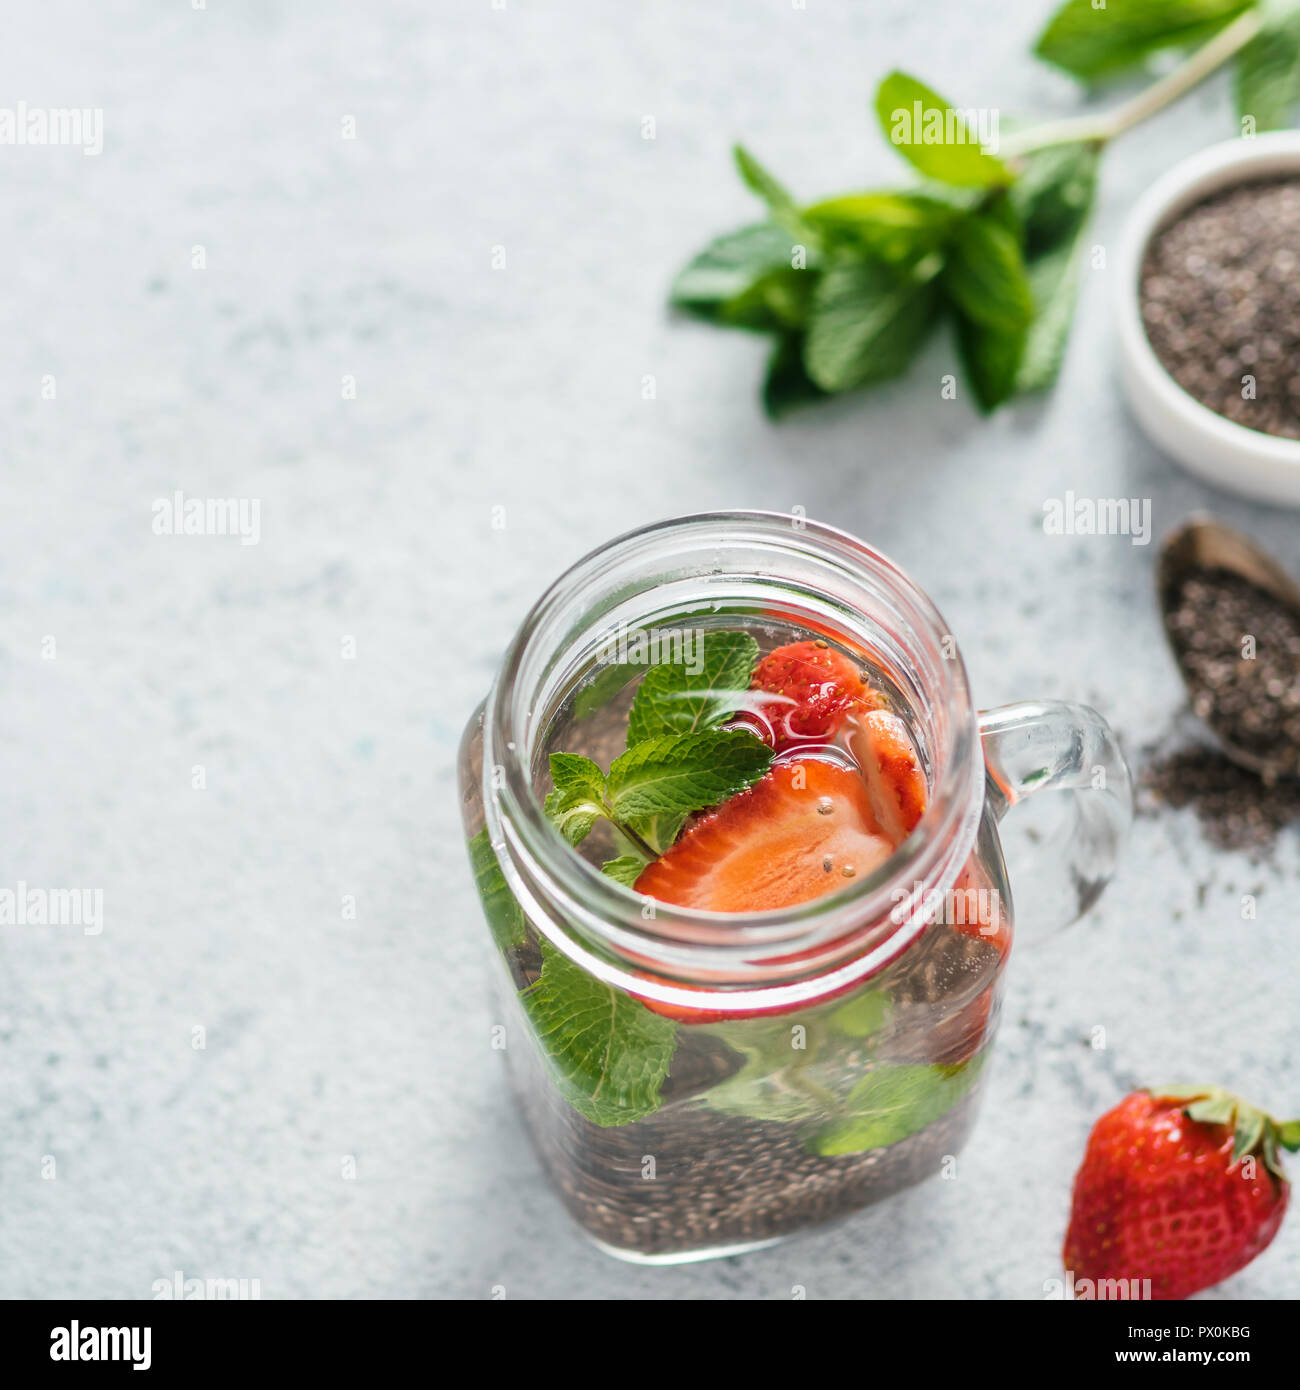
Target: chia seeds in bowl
(1220,303)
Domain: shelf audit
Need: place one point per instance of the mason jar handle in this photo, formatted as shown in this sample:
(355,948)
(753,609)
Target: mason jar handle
(1052,745)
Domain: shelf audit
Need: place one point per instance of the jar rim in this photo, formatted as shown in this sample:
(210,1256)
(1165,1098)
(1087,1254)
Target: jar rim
(599,922)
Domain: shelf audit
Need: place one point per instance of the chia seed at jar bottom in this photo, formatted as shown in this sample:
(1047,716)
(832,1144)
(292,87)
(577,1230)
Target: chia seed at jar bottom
(721,1180)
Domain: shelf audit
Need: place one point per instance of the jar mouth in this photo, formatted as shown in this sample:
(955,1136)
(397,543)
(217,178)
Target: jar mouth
(783,564)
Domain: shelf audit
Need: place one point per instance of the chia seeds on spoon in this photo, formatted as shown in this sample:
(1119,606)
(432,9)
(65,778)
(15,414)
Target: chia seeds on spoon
(1239,649)
(1220,301)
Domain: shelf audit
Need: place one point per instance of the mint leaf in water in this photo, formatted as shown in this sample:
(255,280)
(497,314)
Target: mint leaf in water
(892,1102)
(505,916)
(608,1053)
(1267,79)
(775,1082)
(680,773)
(578,800)
(934,135)
(868,320)
(603,686)
(866,1013)
(1091,41)
(685,697)
(626,869)
(679,761)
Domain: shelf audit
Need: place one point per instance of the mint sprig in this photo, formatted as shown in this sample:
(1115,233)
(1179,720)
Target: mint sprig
(607,1053)
(678,760)
(651,789)
(578,799)
(994,240)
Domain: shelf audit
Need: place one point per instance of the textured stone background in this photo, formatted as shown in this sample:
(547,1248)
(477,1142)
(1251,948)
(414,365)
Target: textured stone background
(478,388)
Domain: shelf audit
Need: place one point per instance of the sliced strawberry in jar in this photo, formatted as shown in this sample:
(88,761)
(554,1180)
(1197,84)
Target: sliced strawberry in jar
(806,829)
(883,749)
(805,691)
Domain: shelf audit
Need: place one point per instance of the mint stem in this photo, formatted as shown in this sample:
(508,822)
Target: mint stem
(637,842)
(1099,130)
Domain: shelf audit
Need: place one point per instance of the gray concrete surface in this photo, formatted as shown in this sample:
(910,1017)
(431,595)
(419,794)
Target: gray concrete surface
(345,1129)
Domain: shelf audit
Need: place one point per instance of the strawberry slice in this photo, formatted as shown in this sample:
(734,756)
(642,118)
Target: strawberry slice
(806,690)
(803,831)
(882,748)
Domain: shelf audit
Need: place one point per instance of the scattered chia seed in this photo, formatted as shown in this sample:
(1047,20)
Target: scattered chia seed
(1239,649)
(1220,300)
(1235,810)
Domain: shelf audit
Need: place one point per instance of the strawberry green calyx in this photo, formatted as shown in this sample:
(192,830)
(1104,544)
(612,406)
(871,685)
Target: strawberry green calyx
(1254,1130)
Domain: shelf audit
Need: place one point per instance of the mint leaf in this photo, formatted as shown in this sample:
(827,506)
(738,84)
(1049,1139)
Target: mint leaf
(578,800)
(991,359)
(1053,200)
(777,301)
(985,275)
(787,385)
(659,831)
(1054,279)
(785,213)
(892,1102)
(935,136)
(504,915)
(731,267)
(867,322)
(895,227)
(1053,196)
(673,699)
(603,686)
(776,1082)
(1091,42)
(1267,76)
(680,773)
(627,868)
(607,1053)
(866,1013)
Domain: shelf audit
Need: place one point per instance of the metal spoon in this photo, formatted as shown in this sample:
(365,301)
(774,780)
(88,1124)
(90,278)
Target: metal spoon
(1201,543)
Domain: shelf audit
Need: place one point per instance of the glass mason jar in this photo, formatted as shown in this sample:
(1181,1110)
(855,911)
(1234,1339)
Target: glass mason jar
(698,1083)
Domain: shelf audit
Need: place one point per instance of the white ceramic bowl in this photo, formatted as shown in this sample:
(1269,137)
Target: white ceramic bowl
(1214,448)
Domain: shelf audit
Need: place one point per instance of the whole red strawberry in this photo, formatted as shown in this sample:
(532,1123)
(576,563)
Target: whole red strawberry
(1182,1186)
